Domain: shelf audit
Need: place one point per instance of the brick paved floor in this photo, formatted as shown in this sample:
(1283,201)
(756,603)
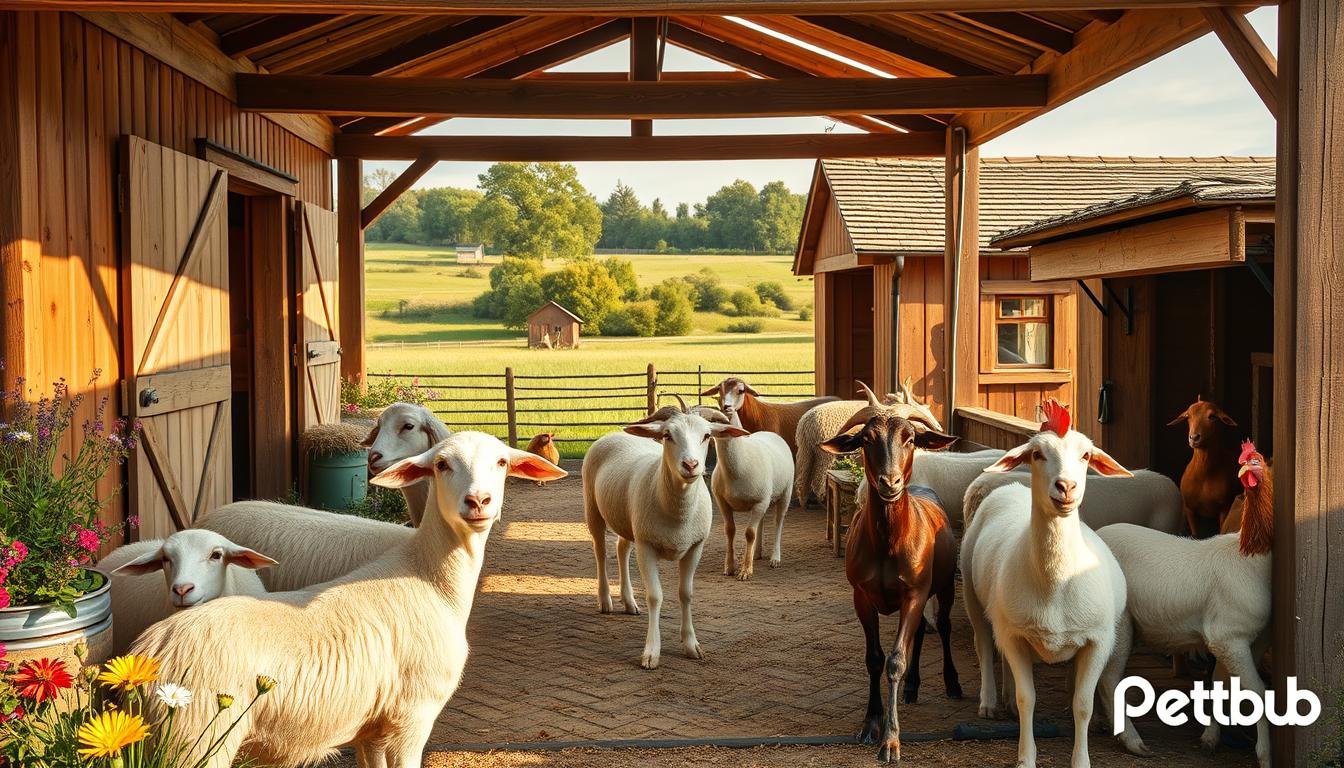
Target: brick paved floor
(783,652)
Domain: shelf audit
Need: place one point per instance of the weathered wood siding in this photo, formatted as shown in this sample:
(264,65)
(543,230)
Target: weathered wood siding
(71,92)
(921,333)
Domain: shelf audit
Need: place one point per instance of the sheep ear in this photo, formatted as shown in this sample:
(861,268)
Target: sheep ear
(532,466)
(652,430)
(933,441)
(1012,459)
(1184,415)
(248,558)
(841,444)
(407,471)
(149,562)
(1223,417)
(726,430)
(1105,465)
(373,435)
(711,392)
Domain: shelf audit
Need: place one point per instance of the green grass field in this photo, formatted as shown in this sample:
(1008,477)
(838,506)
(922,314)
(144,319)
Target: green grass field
(456,344)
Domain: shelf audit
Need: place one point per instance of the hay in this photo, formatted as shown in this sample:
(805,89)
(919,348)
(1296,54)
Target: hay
(333,439)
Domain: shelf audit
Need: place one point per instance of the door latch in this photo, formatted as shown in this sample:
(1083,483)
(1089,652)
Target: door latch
(149,397)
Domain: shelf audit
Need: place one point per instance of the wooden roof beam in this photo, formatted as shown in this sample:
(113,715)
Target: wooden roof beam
(1250,53)
(1023,28)
(418,96)
(899,45)
(607,7)
(644,65)
(674,76)
(426,45)
(272,31)
(633,148)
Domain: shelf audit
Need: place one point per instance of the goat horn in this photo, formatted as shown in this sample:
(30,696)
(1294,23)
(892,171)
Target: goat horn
(872,398)
(858,419)
(711,414)
(662,414)
(684,409)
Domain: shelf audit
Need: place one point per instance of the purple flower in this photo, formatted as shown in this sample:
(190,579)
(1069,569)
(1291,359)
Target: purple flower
(133,521)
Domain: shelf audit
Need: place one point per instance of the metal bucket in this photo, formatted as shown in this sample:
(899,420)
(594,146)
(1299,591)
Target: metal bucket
(42,631)
(338,481)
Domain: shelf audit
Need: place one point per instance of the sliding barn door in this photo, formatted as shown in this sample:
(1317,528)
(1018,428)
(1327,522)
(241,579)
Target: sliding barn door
(320,345)
(175,304)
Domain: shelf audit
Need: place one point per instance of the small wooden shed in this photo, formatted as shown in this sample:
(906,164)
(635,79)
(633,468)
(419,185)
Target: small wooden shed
(553,327)
(471,253)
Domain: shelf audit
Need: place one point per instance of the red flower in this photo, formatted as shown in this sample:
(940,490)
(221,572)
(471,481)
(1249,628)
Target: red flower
(15,714)
(4,597)
(40,680)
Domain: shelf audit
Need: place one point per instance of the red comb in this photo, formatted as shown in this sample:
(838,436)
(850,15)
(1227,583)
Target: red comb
(1247,448)
(1057,417)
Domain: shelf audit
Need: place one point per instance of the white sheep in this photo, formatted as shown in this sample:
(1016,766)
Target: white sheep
(823,421)
(754,475)
(197,566)
(1149,499)
(645,484)
(1204,594)
(312,545)
(369,660)
(402,430)
(1041,584)
(948,475)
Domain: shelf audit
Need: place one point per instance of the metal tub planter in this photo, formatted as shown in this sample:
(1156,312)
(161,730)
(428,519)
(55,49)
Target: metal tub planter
(45,631)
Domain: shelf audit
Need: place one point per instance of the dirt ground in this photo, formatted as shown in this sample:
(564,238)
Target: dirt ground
(783,657)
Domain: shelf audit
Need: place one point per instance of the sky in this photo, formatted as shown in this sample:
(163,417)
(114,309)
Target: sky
(1193,101)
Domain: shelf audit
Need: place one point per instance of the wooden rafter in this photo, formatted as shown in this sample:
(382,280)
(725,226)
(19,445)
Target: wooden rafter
(1024,28)
(587,148)
(413,96)
(274,30)
(673,76)
(927,61)
(643,62)
(396,189)
(390,59)
(1250,53)
(609,7)
(320,54)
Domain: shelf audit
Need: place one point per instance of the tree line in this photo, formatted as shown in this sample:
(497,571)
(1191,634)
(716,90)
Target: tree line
(542,210)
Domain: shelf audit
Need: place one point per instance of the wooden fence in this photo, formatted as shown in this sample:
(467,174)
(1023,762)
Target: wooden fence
(579,407)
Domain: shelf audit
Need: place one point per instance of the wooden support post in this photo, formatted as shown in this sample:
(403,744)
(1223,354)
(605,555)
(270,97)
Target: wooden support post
(350,238)
(651,389)
(643,63)
(396,189)
(961,262)
(20,316)
(511,405)
(1248,51)
(1309,367)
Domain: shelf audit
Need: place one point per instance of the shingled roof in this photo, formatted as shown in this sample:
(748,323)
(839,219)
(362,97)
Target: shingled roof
(896,206)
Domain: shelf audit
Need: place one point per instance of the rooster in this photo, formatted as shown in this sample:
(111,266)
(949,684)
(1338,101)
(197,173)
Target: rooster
(543,445)
(1256,476)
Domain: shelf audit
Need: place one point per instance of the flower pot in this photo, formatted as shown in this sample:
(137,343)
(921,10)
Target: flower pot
(338,481)
(42,631)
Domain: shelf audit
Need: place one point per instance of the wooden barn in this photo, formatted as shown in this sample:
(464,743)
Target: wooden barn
(551,326)
(470,253)
(169,221)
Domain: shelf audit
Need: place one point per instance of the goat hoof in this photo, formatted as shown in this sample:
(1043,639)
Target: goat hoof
(604,606)
(649,661)
(954,690)
(632,609)
(911,694)
(872,729)
(889,754)
(693,650)
(991,713)
(1136,748)
(774,562)
(744,575)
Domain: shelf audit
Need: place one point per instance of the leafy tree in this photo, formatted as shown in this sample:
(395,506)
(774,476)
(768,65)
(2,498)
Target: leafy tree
(375,182)
(493,218)
(780,219)
(447,214)
(745,303)
(622,218)
(732,213)
(639,318)
(555,216)
(400,223)
(515,291)
(623,272)
(773,292)
(583,287)
(674,306)
(709,293)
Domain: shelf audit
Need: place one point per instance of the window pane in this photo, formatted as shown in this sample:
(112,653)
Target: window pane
(1024,344)
(1022,306)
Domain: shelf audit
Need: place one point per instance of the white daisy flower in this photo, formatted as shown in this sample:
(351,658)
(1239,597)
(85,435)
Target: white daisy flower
(22,436)
(173,696)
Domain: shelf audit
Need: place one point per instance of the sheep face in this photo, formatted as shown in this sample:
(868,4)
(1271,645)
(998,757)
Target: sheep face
(685,438)
(402,430)
(1059,467)
(1204,423)
(194,563)
(468,471)
(731,393)
(888,442)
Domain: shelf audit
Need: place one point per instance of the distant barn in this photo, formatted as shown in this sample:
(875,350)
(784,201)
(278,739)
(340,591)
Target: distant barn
(554,327)
(471,253)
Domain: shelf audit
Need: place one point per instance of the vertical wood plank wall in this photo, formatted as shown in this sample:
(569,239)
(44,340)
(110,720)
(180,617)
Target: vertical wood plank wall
(89,89)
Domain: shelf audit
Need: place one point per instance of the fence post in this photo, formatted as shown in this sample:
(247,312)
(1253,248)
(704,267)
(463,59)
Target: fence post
(699,384)
(651,388)
(511,406)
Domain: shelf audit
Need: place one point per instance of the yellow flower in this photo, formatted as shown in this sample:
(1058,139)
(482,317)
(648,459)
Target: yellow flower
(224,700)
(264,684)
(108,733)
(128,672)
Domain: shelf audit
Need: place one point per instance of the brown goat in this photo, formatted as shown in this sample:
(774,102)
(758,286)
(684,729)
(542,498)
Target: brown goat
(757,415)
(543,445)
(900,551)
(1209,483)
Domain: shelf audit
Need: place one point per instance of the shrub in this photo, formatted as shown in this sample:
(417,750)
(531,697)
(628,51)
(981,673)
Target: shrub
(429,310)
(673,298)
(709,293)
(773,292)
(471,272)
(382,391)
(745,326)
(638,318)
(805,313)
(745,303)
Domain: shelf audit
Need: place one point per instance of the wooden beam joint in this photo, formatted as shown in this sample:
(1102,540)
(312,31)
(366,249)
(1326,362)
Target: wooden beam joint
(379,205)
